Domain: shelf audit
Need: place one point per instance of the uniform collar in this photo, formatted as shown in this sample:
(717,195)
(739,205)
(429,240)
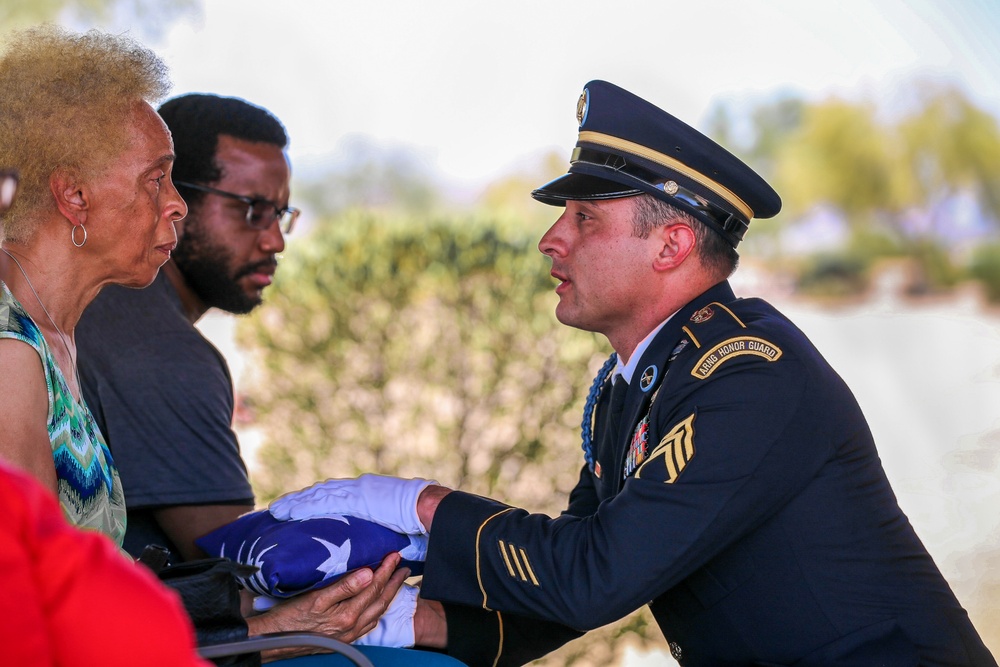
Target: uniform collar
(660,341)
(721,292)
(628,370)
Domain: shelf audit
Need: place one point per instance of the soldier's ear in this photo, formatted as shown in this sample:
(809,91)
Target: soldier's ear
(676,243)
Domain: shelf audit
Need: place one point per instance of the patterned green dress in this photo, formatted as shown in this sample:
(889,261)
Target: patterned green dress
(89,489)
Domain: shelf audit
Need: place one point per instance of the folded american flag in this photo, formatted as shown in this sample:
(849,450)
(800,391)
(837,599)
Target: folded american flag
(296,556)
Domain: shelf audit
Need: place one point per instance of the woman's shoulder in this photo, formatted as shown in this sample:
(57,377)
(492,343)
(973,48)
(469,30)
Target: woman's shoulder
(15,321)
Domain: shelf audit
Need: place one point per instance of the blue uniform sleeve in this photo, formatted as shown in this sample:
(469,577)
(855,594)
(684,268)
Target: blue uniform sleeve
(727,452)
(479,637)
(583,500)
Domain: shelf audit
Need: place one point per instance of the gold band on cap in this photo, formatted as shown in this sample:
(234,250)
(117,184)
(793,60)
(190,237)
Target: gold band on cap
(669,162)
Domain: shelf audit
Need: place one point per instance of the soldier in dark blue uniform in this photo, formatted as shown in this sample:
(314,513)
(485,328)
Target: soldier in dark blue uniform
(730,479)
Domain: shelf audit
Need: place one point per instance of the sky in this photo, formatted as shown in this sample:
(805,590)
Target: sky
(475,91)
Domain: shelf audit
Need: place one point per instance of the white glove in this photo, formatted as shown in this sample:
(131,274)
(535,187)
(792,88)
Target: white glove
(395,628)
(417,550)
(387,501)
(264,602)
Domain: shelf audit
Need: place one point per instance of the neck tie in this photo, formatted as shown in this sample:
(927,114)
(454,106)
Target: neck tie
(618,391)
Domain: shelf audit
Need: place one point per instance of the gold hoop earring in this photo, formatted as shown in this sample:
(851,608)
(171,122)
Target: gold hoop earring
(72,235)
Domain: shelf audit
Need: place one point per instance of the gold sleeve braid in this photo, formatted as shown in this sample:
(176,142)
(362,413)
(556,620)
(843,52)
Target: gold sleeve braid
(479,572)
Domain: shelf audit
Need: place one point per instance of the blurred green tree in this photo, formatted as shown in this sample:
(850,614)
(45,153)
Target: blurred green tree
(952,147)
(840,156)
(758,134)
(899,180)
(985,267)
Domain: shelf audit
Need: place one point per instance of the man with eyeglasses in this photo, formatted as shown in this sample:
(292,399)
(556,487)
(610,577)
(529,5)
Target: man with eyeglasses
(162,394)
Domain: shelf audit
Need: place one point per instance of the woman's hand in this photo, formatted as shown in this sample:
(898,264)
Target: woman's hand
(344,610)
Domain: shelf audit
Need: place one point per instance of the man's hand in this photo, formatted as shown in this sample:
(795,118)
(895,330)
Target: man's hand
(430,626)
(427,503)
(387,501)
(344,610)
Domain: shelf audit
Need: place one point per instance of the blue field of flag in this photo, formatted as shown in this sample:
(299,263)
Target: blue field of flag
(296,556)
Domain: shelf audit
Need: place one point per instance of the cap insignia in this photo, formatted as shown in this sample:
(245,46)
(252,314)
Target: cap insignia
(581,106)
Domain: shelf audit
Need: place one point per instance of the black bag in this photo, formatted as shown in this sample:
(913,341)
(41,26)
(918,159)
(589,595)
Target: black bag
(210,591)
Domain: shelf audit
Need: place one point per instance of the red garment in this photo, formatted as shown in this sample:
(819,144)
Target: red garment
(69,598)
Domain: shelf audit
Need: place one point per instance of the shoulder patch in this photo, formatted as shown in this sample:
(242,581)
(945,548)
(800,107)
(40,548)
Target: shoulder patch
(732,348)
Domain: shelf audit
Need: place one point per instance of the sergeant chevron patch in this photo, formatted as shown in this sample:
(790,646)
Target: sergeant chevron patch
(515,557)
(676,449)
(732,348)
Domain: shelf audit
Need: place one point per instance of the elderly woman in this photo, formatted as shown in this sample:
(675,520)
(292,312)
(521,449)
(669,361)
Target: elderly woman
(95,206)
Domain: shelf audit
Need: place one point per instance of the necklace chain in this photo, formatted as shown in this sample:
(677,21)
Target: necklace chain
(62,336)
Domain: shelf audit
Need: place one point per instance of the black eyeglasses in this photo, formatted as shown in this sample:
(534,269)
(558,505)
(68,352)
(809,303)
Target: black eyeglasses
(8,187)
(261,213)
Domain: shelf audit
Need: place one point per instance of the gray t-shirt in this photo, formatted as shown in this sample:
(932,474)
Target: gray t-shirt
(163,398)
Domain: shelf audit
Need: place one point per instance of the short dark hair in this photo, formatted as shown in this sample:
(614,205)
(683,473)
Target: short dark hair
(196,121)
(716,253)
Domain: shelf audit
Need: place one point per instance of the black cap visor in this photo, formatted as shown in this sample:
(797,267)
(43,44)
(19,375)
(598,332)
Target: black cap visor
(581,187)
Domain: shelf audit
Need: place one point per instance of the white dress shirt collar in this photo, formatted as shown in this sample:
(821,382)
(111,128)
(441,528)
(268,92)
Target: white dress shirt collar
(628,370)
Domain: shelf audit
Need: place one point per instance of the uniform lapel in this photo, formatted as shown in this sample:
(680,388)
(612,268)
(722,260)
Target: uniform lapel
(655,361)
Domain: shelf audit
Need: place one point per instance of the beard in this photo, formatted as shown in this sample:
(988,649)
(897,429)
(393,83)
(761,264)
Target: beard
(208,269)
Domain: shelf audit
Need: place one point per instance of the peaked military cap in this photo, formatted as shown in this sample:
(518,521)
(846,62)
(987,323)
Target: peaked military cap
(627,146)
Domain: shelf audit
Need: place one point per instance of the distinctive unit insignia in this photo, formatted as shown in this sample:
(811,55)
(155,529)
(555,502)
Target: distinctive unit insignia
(703,315)
(732,348)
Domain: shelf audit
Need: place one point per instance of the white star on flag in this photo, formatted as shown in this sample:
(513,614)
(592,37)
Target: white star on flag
(337,562)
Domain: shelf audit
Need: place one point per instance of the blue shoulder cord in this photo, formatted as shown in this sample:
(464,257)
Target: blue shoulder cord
(587,425)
